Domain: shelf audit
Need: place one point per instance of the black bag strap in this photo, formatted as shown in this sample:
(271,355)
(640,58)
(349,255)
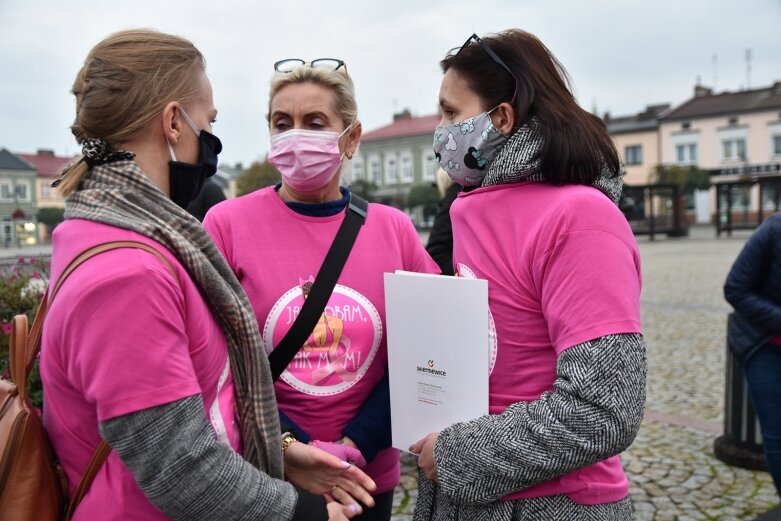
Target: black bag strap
(322,288)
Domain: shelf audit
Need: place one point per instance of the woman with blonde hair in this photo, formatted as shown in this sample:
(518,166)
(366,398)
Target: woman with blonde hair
(156,351)
(334,393)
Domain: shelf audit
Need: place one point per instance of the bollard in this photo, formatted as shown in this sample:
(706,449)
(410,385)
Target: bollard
(741,443)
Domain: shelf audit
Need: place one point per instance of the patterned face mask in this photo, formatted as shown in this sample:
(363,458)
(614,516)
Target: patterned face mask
(464,150)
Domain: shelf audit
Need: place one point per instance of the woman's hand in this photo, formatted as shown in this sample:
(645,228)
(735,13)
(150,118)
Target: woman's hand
(337,512)
(318,472)
(425,450)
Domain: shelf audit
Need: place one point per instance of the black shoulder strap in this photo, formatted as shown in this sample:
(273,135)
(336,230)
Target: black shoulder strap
(324,284)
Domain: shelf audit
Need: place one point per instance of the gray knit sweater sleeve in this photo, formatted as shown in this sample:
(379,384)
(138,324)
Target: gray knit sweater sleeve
(593,413)
(186,473)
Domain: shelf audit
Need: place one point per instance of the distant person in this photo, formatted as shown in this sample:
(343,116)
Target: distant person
(538,219)
(335,392)
(210,194)
(440,240)
(753,288)
(157,353)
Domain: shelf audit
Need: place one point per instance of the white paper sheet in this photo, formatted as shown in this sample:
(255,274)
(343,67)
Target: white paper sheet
(438,352)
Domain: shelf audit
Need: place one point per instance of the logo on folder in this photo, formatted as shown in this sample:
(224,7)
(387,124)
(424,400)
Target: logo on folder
(429,369)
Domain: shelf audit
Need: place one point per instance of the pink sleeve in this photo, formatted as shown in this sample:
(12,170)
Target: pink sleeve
(129,350)
(416,258)
(590,287)
(212,226)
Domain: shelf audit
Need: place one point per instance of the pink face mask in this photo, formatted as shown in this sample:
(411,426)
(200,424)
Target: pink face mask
(307,159)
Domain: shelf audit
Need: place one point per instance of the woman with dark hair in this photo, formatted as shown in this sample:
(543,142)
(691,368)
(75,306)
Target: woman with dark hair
(538,219)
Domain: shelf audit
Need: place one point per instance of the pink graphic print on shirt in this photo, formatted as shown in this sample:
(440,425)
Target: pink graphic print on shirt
(340,349)
(462,270)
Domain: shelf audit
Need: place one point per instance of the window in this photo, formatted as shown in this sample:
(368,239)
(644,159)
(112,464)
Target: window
(391,170)
(6,191)
(430,165)
(734,149)
(358,172)
(23,191)
(46,191)
(375,170)
(686,153)
(407,175)
(771,197)
(777,145)
(633,155)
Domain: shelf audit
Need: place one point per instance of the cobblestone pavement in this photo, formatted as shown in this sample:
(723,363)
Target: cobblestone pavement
(673,473)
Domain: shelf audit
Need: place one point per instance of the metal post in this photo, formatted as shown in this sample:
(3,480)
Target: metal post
(729,209)
(652,226)
(718,210)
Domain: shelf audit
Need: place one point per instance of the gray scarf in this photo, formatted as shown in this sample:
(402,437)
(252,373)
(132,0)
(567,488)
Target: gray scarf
(119,194)
(519,160)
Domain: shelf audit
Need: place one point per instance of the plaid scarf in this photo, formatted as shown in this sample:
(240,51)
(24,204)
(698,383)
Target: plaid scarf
(519,160)
(119,194)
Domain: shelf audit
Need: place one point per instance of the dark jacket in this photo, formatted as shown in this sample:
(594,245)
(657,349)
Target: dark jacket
(440,241)
(753,288)
(210,194)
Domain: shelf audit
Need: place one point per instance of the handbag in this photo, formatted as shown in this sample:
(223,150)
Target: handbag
(324,284)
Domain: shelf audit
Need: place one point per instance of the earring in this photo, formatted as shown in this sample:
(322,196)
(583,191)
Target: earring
(349,155)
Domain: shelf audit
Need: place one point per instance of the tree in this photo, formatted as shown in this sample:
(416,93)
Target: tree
(363,189)
(687,178)
(51,217)
(422,194)
(258,175)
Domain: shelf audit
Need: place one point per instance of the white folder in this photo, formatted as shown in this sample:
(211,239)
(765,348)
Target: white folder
(438,352)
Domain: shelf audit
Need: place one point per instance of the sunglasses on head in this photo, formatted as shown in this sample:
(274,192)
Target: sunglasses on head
(290,64)
(495,57)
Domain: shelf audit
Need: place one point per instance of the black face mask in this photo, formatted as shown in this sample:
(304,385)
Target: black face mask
(186,179)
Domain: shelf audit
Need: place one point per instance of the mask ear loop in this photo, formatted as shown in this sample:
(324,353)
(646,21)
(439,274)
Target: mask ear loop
(170,150)
(349,127)
(190,121)
(192,125)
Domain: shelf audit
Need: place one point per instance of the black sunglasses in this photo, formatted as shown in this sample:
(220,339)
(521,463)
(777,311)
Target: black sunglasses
(289,64)
(494,57)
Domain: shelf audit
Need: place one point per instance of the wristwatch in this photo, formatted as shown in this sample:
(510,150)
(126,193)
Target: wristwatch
(288,439)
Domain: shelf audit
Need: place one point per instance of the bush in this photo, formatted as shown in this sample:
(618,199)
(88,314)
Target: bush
(21,287)
(258,175)
(363,189)
(51,217)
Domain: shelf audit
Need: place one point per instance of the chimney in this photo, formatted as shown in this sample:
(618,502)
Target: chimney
(404,114)
(45,152)
(606,116)
(777,88)
(701,91)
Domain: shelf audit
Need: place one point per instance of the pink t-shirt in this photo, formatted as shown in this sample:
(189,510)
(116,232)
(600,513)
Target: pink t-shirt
(562,267)
(121,336)
(274,252)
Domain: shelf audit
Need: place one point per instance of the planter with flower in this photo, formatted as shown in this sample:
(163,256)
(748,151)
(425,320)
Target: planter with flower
(22,285)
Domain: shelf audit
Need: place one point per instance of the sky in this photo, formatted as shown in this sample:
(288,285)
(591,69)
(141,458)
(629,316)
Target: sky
(621,54)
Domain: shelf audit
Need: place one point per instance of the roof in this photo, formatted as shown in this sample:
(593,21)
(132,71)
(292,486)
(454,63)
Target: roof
(10,161)
(404,127)
(46,163)
(643,121)
(707,104)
